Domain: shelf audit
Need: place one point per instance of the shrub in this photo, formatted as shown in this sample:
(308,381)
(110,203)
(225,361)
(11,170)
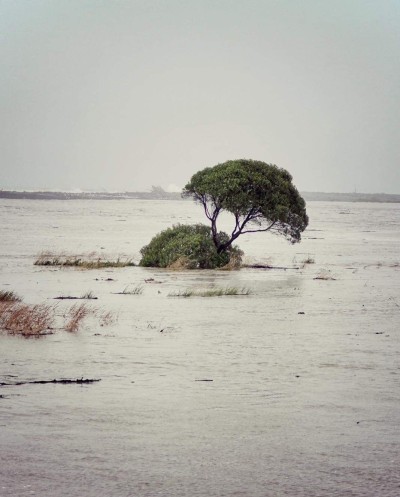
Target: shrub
(188,247)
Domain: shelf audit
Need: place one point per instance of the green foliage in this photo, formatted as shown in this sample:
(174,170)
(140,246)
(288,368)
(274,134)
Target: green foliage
(50,259)
(211,292)
(192,244)
(260,196)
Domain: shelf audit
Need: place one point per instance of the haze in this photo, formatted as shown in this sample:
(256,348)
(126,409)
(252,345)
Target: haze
(122,95)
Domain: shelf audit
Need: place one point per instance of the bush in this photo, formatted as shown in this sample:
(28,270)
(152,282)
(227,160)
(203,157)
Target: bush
(189,247)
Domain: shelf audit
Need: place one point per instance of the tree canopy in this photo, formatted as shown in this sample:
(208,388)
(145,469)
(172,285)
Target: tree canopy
(260,196)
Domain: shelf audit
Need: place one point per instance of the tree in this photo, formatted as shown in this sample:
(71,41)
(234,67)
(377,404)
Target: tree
(260,196)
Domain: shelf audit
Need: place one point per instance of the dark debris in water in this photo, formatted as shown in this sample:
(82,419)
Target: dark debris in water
(63,381)
(267,266)
(69,297)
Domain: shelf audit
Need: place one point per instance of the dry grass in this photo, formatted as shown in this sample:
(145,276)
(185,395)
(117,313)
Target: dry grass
(180,264)
(184,263)
(235,262)
(309,259)
(137,290)
(107,318)
(325,275)
(86,296)
(78,313)
(90,261)
(17,318)
(211,292)
(9,296)
(75,316)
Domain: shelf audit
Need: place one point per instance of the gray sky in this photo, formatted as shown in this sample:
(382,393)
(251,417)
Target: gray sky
(121,95)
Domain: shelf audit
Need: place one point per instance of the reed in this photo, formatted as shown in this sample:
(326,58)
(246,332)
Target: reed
(88,296)
(90,262)
(75,316)
(9,296)
(211,292)
(137,290)
(106,318)
(85,296)
(325,275)
(17,318)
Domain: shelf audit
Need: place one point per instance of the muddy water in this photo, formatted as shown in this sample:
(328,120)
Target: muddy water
(299,404)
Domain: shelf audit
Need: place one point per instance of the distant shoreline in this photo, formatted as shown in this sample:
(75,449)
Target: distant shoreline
(162,195)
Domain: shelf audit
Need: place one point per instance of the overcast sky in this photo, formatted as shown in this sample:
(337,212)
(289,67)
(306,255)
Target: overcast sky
(125,94)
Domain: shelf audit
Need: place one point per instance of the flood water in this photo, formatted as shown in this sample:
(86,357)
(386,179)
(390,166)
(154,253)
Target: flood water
(302,405)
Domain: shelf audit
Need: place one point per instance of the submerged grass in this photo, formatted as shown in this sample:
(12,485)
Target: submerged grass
(76,314)
(89,262)
(325,275)
(9,296)
(107,318)
(88,296)
(85,296)
(18,318)
(137,290)
(211,292)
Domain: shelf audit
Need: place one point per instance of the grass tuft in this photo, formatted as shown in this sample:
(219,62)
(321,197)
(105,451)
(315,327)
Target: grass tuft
(88,296)
(107,318)
(211,292)
(85,296)
(76,314)
(17,318)
(90,262)
(325,275)
(137,290)
(9,296)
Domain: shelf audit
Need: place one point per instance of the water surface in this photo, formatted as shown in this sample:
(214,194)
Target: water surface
(299,404)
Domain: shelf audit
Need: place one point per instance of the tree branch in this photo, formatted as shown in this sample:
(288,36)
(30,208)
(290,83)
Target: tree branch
(255,231)
(206,211)
(238,229)
(248,218)
(236,225)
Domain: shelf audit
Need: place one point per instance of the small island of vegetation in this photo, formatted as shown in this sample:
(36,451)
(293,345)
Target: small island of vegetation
(261,198)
